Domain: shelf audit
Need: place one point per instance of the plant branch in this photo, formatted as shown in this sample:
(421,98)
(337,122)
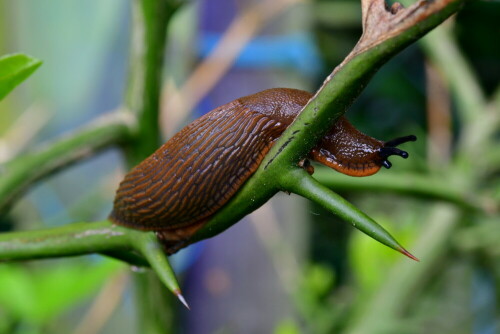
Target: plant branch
(69,240)
(412,184)
(301,183)
(20,173)
(478,121)
(87,238)
(149,31)
(441,48)
(150,21)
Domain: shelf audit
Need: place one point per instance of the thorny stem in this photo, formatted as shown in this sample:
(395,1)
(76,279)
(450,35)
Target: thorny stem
(300,182)
(22,172)
(69,240)
(86,238)
(150,23)
(149,31)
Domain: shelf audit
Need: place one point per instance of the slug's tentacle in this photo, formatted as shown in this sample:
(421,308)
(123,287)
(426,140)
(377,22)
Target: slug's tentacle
(390,148)
(400,140)
(388,151)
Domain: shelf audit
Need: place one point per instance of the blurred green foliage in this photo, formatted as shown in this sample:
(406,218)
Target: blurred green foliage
(14,69)
(37,295)
(343,272)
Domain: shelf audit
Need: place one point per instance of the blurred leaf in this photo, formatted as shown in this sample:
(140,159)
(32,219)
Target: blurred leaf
(42,296)
(287,326)
(16,290)
(370,260)
(319,280)
(14,69)
(313,301)
(483,235)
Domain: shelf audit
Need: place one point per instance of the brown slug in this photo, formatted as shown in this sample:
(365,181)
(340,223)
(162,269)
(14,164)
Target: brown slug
(180,186)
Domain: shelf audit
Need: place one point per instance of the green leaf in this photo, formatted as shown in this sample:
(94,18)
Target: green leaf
(41,295)
(62,287)
(14,69)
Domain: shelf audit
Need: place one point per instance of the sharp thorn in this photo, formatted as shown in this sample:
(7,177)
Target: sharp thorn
(182,299)
(408,254)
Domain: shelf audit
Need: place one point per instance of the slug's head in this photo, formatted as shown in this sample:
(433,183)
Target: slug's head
(390,148)
(353,153)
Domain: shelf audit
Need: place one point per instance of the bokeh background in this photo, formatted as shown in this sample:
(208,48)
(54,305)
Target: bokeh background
(290,267)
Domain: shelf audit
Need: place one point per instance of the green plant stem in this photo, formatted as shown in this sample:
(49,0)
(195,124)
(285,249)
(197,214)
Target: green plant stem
(69,240)
(131,258)
(491,156)
(21,172)
(424,186)
(444,53)
(478,124)
(300,182)
(149,31)
(86,238)
(478,121)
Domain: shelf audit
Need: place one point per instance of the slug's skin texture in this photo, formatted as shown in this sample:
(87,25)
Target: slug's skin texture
(180,186)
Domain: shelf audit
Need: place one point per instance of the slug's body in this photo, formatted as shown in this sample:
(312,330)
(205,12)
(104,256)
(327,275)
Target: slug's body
(180,186)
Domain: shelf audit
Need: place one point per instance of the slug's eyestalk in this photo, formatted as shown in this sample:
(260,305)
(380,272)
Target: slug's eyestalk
(390,148)
(400,140)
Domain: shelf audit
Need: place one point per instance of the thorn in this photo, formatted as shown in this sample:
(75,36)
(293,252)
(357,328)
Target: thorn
(410,255)
(181,298)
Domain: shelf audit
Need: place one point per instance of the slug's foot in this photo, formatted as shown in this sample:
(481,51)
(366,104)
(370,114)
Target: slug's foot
(390,148)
